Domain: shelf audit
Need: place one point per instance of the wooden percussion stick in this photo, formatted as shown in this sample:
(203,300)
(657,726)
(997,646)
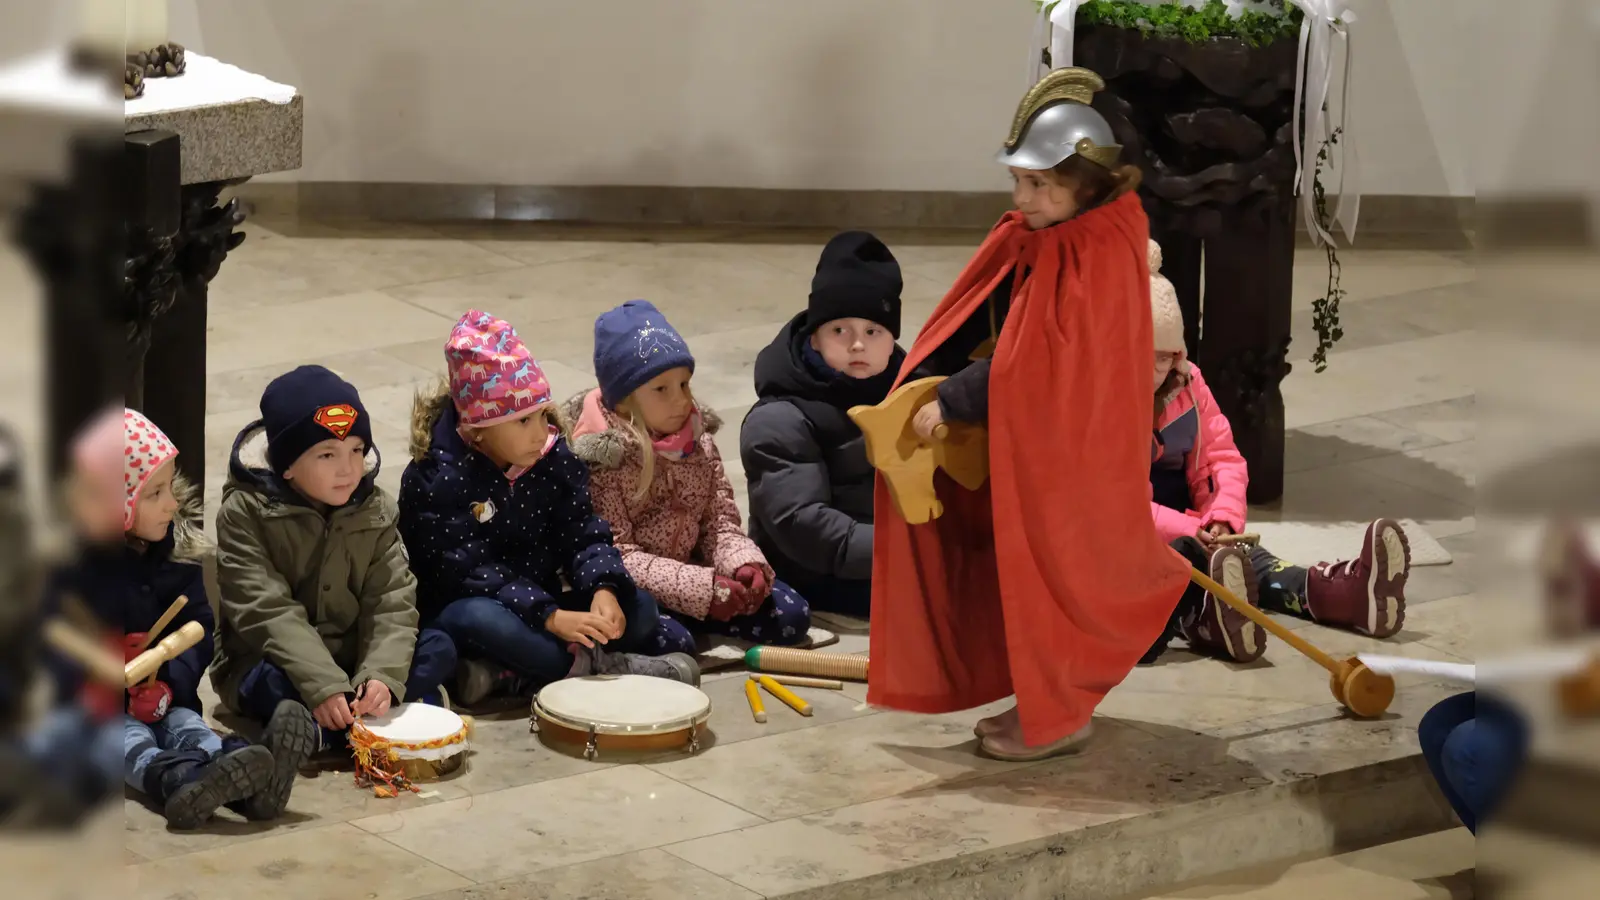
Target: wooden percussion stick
(1230,539)
(941,431)
(757,709)
(163,622)
(787,696)
(827,684)
(787,660)
(149,662)
(1262,619)
(100,663)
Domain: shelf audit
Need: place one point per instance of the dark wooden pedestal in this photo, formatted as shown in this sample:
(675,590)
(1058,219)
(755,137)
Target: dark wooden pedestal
(126,253)
(1209,126)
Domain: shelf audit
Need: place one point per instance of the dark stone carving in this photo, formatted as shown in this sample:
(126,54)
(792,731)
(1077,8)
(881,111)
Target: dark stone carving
(1210,125)
(170,364)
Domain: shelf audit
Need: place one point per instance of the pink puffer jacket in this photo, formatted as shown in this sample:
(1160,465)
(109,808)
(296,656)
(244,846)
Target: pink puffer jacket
(686,531)
(1195,434)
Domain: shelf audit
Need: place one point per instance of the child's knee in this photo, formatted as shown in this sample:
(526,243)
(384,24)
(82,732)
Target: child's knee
(668,636)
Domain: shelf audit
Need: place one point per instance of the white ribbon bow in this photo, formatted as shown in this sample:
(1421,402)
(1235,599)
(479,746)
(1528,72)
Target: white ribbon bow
(1323,24)
(1058,19)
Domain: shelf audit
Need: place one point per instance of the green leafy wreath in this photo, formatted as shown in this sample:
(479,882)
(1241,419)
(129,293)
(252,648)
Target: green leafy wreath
(1256,29)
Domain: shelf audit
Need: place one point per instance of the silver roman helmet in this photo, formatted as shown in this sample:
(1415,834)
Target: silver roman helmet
(1054,121)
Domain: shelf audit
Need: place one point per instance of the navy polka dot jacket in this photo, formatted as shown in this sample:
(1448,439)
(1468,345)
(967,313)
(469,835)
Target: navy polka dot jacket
(472,532)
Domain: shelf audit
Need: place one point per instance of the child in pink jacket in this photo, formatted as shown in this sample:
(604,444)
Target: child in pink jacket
(1197,494)
(656,476)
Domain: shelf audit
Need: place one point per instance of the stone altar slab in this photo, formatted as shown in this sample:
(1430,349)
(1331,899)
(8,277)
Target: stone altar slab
(233,124)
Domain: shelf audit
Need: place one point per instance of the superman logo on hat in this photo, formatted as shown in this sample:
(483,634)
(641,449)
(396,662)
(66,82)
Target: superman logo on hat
(338,418)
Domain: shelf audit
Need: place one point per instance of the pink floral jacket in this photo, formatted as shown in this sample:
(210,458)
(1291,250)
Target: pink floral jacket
(686,531)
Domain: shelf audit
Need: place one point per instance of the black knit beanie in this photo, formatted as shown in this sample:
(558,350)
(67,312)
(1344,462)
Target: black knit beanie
(857,278)
(307,406)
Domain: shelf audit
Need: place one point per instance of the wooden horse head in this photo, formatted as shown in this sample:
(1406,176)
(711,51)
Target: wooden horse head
(907,462)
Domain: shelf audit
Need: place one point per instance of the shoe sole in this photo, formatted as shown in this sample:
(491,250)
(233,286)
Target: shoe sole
(292,736)
(1244,640)
(1067,746)
(228,779)
(474,683)
(684,664)
(1386,580)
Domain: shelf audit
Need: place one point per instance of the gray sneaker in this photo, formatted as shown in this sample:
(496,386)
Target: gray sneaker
(673,666)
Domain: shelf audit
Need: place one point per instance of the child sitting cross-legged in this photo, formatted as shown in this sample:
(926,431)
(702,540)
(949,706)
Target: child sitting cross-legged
(1197,495)
(170,754)
(658,479)
(511,559)
(318,604)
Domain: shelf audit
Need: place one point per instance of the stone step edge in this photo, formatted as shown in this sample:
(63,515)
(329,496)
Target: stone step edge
(1327,814)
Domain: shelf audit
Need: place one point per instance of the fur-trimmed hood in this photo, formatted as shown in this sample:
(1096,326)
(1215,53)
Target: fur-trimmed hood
(608,448)
(432,409)
(186,540)
(248,470)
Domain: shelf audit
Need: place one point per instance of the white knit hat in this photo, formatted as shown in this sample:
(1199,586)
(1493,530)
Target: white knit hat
(1165,314)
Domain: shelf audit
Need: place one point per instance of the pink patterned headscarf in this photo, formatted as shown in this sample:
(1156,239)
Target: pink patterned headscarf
(493,376)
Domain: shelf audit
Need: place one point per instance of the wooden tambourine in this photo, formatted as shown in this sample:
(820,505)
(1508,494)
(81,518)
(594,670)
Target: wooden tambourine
(629,713)
(416,741)
(907,461)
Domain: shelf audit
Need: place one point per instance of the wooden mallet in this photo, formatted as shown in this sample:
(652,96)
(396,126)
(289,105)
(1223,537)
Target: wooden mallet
(165,620)
(1357,688)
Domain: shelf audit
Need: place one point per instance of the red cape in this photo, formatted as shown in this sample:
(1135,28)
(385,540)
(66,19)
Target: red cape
(1049,582)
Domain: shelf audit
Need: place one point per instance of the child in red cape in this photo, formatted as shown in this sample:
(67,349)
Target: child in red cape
(1049,582)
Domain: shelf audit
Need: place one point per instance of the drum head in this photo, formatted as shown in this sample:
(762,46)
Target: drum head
(623,704)
(418,724)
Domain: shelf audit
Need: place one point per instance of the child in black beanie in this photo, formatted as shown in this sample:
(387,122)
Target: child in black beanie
(805,460)
(318,602)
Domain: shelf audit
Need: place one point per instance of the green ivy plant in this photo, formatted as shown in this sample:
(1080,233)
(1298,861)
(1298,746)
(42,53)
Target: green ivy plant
(1195,25)
(1256,29)
(1325,309)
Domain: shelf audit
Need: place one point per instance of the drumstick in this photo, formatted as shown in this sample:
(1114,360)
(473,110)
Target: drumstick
(161,623)
(1229,539)
(754,696)
(827,684)
(786,695)
(73,644)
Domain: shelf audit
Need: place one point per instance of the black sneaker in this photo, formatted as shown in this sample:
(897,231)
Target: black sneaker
(191,790)
(291,736)
(673,666)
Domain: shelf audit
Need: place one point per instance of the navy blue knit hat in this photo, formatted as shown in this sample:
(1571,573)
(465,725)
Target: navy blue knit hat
(307,406)
(633,344)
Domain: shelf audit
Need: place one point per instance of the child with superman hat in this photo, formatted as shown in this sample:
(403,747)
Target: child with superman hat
(318,603)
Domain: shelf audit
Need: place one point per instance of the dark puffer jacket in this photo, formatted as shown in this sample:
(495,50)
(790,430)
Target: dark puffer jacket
(806,461)
(163,572)
(473,532)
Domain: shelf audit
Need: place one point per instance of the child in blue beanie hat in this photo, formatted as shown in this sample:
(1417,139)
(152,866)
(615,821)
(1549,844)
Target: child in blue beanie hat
(657,477)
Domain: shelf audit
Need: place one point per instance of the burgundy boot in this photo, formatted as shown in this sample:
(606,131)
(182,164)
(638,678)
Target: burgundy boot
(1366,594)
(1572,582)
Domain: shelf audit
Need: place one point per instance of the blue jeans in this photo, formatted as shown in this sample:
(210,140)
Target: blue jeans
(485,629)
(784,619)
(180,729)
(432,663)
(71,748)
(1475,747)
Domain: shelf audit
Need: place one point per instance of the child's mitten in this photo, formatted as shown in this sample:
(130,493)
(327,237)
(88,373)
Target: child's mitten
(149,702)
(729,599)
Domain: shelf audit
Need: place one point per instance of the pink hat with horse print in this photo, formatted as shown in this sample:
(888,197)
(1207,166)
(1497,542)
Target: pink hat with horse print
(493,376)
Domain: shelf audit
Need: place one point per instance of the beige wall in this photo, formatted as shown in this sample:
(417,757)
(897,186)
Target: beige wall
(858,94)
